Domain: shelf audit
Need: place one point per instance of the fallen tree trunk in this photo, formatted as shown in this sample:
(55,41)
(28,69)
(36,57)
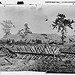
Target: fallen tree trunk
(68,53)
(40,54)
(9,52)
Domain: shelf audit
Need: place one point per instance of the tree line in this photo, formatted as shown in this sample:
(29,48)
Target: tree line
(60,23)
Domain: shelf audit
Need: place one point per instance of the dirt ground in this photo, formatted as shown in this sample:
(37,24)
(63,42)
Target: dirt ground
(15,64)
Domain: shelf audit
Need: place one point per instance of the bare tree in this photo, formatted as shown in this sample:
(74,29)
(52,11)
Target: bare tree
(7,25)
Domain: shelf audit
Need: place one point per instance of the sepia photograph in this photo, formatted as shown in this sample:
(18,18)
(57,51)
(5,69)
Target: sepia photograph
(37,38)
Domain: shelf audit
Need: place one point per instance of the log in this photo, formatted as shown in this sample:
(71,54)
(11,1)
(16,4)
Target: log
(40,54)
(8,61)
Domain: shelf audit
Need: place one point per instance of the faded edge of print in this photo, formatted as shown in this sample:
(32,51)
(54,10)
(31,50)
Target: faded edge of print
(37,39)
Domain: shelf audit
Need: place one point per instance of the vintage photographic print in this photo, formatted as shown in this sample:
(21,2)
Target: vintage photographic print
(37,38)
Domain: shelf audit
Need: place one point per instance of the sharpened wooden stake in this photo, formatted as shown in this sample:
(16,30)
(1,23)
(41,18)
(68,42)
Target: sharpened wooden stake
(8,61)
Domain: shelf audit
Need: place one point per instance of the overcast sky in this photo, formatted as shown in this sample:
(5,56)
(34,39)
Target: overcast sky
(35,17)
